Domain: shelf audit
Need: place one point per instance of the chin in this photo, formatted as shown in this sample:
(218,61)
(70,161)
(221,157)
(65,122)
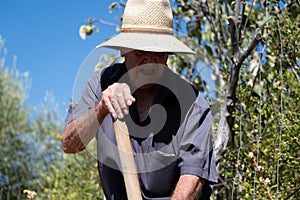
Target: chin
(146,86)
(145,82)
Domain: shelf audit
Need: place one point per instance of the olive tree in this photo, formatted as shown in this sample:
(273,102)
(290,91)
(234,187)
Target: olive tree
(31,157)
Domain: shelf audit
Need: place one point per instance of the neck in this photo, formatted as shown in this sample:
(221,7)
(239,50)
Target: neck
(147,92)
(144,100)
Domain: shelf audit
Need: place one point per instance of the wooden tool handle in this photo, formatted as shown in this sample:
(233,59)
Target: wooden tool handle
(127,161)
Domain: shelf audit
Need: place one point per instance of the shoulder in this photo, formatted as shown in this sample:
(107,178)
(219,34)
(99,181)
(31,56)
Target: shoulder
(112,74)
(187,90)
(104,76)
(114,70)
(180,82)
(184,90)
(105,71)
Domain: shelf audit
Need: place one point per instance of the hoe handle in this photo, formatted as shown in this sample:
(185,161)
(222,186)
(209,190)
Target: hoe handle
(127,161)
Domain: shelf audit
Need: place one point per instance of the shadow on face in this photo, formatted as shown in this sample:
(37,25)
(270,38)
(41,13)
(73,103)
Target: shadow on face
(144,68)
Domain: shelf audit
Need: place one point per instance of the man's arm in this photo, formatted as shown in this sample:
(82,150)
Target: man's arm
(189,187)
(81,131)
(115,101)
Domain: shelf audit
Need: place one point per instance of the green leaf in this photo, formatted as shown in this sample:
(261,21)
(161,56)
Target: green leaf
(262,22)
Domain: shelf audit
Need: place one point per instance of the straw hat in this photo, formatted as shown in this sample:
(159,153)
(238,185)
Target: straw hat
(148,26)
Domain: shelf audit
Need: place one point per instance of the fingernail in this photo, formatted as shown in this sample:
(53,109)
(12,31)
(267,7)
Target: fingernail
(120,116)
(125,111)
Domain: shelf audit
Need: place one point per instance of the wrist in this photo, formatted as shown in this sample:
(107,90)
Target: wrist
(100,111)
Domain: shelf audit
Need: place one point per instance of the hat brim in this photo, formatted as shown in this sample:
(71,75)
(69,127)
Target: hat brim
(147,42)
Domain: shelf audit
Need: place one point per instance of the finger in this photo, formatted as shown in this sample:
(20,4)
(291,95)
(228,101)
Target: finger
(129,99)
(122,104)
(116,99)
(115,103)
(106,101)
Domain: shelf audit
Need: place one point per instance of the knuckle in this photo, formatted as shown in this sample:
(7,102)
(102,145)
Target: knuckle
(106,104)
(115,85)
(106,93)
(123,106)
(123,84)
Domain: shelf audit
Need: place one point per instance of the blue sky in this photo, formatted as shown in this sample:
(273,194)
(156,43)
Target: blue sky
(43,34)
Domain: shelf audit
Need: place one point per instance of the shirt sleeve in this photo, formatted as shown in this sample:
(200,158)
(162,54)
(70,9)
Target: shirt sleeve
(90,97)
(196,149)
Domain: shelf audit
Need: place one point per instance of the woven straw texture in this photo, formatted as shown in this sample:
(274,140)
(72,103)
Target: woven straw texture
(139,15)
(148,26)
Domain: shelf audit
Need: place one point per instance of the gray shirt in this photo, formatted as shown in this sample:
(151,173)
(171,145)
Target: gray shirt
(173,140)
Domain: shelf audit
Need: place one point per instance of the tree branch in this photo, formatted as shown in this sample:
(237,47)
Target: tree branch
(246,21)
(226,121)
(254,42)
(205,9)
(236,20)
(233,34)
(220,22)
(91,20)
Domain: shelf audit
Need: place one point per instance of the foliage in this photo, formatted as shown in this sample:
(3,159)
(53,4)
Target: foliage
(264,162)
(265,159)
(264,142)
(31,157)
(14,122)
(61,175)
(75,177)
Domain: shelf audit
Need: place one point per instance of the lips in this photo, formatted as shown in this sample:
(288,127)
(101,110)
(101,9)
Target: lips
(147,72)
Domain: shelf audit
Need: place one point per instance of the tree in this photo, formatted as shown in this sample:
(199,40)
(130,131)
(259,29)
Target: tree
(14,122)
(63,176)
(31,156)
(260,97)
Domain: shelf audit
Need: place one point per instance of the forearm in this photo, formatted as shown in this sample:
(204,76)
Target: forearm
(188,187)
(115,100)
(81,131)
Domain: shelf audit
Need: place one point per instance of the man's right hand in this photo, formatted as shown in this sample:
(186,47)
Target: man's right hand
(116,100)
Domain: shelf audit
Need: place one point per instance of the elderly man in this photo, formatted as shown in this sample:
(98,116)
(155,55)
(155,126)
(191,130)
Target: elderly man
(167,119)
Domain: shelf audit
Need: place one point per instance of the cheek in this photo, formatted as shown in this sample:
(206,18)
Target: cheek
(132,73)
(134,77)
(163,59)
(160,71)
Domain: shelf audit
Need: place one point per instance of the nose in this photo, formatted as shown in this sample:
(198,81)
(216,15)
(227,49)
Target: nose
(149,57)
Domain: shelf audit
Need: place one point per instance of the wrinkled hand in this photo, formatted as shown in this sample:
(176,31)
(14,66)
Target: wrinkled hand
(116,99)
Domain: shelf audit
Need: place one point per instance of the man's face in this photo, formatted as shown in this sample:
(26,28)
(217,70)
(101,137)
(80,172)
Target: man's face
(145,67)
